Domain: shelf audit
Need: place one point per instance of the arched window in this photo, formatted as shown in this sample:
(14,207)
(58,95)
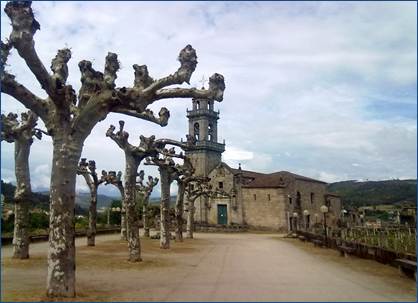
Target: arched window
(197,105)
(196,131)
(210,132)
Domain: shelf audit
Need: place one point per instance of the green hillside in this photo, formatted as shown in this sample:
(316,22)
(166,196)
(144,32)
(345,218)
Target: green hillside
(39,200)
(355,194)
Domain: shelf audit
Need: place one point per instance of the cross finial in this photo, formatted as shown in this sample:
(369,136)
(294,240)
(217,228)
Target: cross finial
(203,81)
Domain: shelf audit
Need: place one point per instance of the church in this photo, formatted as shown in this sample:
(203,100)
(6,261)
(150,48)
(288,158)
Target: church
(281,201)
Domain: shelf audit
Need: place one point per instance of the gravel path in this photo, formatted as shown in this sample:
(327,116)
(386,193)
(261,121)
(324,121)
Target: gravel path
(212,267)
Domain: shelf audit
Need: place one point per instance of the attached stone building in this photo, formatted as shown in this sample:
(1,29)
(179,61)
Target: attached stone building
(278,201)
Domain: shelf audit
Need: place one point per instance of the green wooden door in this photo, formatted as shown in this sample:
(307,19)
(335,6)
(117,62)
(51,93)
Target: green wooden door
(222,214)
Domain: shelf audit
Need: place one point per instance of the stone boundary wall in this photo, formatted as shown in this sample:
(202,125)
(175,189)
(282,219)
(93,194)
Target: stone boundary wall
(40,238)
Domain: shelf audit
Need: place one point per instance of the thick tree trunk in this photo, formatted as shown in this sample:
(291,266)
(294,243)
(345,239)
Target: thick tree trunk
(190,220)
(22,195)
(122,215)
(180,211)
(91,232)
(123,230)
(132,217)
(61,252)
(165,209)
(145,218)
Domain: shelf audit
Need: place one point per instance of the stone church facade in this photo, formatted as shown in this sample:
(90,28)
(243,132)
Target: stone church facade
(280,201)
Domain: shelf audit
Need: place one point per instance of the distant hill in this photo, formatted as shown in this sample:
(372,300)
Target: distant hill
(156,200)
(41,200)
(356,194)
(83,200)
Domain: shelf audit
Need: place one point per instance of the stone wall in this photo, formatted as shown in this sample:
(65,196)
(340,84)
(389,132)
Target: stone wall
(312,198)
(264,208)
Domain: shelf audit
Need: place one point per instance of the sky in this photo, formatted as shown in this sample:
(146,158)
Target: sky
(323,89)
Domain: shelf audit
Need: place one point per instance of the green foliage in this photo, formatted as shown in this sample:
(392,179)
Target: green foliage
(7,224)
(115,216)
(39,221)
(356,194)
(395,239)
(102,218)
(8,190)
(81,222)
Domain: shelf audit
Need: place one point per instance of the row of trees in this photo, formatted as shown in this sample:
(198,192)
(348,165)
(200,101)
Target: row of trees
(69,119)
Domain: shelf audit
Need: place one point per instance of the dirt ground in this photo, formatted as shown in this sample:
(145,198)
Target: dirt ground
(212,267)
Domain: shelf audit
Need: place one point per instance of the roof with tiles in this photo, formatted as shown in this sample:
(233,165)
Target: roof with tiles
(272,180)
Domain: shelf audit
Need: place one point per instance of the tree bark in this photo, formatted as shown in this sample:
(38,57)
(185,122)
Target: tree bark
(180,211)
(132,217)
(22,195)
(145,218)
(190,220)
(123,229)
(165,208)
(61,252)
(91,232)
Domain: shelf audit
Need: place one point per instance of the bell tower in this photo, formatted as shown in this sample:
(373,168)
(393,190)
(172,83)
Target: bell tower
(203,127)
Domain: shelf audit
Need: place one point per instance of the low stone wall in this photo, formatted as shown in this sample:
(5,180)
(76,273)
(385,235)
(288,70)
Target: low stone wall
(40,238)
(379,254)
(220,228)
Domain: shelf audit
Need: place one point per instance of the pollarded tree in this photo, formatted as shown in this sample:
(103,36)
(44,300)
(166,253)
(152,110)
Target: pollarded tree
(183,176)
(69,121)
(88,171)
(199,187)
(116,180)
(133,158)
(169,171)
(146,191)
(21,134)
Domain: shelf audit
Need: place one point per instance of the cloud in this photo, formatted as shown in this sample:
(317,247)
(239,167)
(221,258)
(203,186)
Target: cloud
(311,88)
(233,153)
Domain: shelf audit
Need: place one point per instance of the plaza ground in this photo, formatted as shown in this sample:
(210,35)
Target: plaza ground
(211,267)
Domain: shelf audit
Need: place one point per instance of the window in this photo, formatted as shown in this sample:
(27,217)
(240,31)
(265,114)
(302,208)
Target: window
(196,131)
(191,186)
(210,132)
(298,199)
(197,104)
(290,200)
(255,197)
(268,197)
(220,185)
(312,198)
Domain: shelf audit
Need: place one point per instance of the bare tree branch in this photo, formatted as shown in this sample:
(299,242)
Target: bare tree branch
(111,67)
(12,129)
(120,137)
(24,27)
(59,67)
(147,114)
(215,91)
(11,87)
(188,62)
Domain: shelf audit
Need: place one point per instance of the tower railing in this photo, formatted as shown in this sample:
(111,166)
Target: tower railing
(204,111)
(210,145)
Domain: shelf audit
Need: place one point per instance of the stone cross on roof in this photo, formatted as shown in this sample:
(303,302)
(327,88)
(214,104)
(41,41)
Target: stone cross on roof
(203,81)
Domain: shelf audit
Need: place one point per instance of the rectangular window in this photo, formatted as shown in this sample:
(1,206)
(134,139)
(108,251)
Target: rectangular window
(255,197)
(312,198)
(290,200)
(268,197)
(221,185)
